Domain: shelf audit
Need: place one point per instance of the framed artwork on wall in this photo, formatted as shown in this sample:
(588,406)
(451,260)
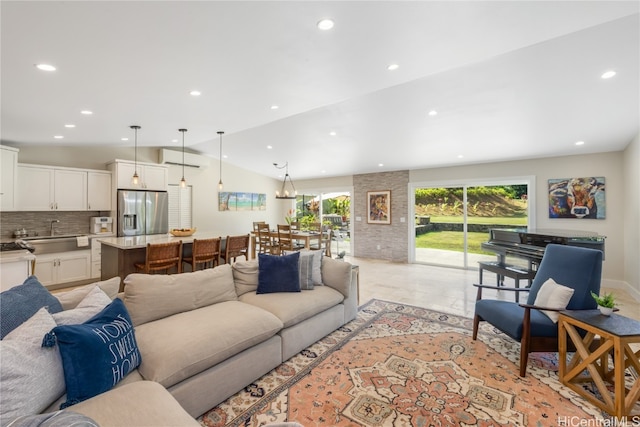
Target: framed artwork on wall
(581,198)
(379,205)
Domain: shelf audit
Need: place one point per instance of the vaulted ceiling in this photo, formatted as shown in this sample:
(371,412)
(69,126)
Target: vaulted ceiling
(475,82)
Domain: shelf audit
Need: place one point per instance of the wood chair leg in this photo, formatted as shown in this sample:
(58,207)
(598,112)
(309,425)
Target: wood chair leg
(525,342)
(476,323)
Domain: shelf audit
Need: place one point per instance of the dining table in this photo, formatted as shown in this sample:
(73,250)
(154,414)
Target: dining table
(303,236)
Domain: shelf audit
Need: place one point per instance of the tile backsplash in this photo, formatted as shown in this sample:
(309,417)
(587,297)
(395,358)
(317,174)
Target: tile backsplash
(39,223)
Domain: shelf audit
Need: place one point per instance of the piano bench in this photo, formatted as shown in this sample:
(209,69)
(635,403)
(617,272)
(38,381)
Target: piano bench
(506,270)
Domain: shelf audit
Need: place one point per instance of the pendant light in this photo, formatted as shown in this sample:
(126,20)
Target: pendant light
(135,179)
(183,182)
(284,193)
(220,182)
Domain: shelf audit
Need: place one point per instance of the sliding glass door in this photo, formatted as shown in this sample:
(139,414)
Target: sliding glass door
(452,222)
(333,210)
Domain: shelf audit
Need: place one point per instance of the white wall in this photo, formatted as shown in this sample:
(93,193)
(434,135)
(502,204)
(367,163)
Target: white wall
(631,206)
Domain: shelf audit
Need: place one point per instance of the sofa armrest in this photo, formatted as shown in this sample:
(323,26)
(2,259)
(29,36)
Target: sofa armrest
(337,274)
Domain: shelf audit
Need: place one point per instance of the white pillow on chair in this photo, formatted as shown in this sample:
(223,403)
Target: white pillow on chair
(553,295)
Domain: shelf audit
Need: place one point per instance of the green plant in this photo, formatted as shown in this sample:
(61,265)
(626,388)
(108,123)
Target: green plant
(606,300)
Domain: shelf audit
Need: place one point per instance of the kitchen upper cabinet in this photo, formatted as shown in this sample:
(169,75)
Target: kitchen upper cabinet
(46,189)
(151,177)
(8,176)
(99,191)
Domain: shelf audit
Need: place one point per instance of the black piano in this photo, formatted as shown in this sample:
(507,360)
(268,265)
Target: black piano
(529,245)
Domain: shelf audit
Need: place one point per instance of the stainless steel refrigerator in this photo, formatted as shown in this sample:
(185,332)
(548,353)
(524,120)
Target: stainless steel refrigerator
(142,212)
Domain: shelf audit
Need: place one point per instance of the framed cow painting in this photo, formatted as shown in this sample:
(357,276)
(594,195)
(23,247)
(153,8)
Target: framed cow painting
(581,198)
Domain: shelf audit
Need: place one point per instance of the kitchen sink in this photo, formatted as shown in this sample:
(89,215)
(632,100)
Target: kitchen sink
(52,244)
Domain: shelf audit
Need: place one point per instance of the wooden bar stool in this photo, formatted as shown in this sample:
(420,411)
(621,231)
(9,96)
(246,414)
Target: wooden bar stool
(162,256)
(204,251)
(236,246)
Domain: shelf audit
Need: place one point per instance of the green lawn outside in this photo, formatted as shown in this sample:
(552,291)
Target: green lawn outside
(452,241)
(481,220)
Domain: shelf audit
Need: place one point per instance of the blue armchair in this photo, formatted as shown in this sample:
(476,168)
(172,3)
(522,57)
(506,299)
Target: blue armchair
(574,267)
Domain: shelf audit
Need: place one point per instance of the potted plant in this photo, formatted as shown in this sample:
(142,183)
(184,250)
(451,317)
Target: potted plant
(606,302)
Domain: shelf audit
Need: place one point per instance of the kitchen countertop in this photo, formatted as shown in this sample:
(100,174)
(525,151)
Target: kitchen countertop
(16,256)
(136,242)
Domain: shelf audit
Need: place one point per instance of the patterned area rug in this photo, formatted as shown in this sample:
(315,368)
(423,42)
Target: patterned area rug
(398,365)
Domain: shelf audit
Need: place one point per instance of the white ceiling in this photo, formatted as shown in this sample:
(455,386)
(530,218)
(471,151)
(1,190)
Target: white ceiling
(509,79)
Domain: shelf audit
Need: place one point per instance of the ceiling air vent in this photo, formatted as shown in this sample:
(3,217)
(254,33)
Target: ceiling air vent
(172,157)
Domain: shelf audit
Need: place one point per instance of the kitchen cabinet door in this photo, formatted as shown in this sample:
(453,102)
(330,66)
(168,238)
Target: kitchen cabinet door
(35,188)
(63,267)
(70,190)
(156,178)
(99,191)
(8,174)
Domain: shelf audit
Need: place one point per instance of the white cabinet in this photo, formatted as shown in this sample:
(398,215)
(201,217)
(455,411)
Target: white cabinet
(151,177)
(14,270)
(45,189)
(63,267)
(8,175)
(99,191)
(96,258)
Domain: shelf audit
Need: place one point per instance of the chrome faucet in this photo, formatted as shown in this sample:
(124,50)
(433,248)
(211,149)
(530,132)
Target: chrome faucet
(53,221)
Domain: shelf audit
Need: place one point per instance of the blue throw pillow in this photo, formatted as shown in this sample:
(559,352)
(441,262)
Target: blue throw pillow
(19,303)
(278,273)
(97,354)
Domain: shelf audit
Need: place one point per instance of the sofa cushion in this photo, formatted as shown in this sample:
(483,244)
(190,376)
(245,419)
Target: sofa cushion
(72,298)
(23,301)
(31,377)
(337,274)
(55,419)
(278,273)
(178,347)
(292,308)
(154,296)
(93,303)
(139,404)
(245,276)
(96,354)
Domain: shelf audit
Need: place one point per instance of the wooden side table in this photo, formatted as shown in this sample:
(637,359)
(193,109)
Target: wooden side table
(615,333)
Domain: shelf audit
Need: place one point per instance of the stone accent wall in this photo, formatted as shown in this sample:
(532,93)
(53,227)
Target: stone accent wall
(393,239)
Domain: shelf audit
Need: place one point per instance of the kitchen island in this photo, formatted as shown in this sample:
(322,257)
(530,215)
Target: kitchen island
(120,254)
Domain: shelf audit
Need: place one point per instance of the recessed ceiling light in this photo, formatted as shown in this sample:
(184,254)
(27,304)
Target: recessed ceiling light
(269,147)
(380,165)
(393,67)
(274,107)
(579,142)
(460,156)
(332,133)
(174,140)
(224,156)
(323,171)
(45,67)
(195,93)
(86,112)
(433,113)
(58,136)
(124,139)
(325,24)
(608,74)
(69,125)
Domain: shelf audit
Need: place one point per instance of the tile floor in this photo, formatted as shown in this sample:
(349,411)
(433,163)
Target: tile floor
(449,290)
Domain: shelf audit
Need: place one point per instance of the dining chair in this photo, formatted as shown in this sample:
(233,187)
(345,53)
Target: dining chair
(286,239)
(204,251)
(236,246)
(161,256)
(315,227)
(266,243)
(531,323)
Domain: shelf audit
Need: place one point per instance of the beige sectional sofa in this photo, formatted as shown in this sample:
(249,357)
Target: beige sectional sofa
(204,336)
